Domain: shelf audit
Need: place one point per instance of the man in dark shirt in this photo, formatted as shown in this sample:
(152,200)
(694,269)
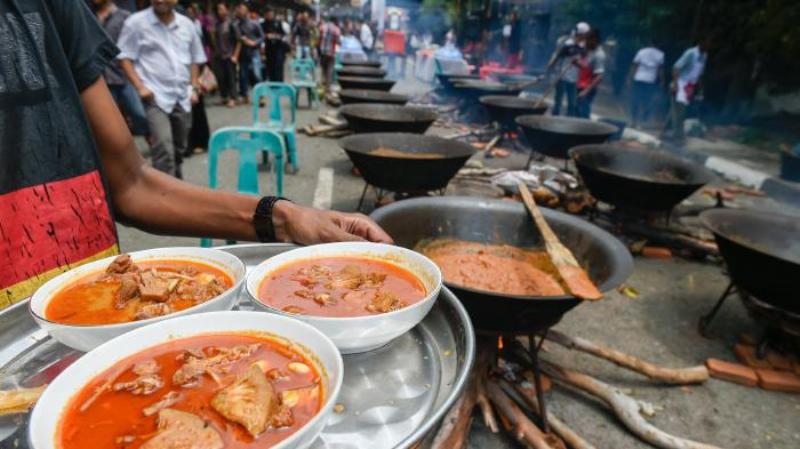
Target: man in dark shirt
(275,45)
(227,47)
(70,167)
(301,36)
(251,38)
(112,18)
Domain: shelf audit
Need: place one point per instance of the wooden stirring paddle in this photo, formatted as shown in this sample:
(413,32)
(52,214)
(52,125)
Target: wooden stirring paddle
(575,278)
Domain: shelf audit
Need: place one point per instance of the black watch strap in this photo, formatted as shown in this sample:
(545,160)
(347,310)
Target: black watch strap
(262,218)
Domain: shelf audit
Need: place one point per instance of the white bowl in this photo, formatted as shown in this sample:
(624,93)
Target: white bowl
(87,337)
(362,333)
(316,347)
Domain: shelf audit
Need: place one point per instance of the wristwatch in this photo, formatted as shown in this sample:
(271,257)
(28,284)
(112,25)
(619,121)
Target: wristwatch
(262,218)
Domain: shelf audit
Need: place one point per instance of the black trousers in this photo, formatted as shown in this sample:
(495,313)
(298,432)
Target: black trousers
(199,132)
(275,60)
(226,77)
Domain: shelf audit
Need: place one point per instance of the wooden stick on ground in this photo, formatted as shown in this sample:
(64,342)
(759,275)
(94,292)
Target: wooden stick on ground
(575,278)
(681,376)
(569,436)
(625,407)
(20,400)
(524,430)
(454,431)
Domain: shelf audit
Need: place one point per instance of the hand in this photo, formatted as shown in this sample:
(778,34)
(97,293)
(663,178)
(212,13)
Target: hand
(583,93)
(145,94)
(235,59)
(304,225)
(195,97)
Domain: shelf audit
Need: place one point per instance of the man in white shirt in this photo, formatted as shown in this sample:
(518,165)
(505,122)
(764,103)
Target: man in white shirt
(686,74)
(647,72)
(161,54)
(365,36)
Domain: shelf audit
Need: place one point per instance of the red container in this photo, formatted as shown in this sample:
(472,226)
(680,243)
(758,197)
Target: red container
(394,42)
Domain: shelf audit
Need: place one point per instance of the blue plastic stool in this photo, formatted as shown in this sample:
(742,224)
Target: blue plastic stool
(273,92)
(304,76)
(248,141)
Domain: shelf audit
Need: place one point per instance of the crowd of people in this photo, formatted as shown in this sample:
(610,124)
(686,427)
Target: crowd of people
(579,65)
(170,57)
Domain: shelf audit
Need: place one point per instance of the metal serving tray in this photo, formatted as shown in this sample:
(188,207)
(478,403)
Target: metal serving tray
(392,397)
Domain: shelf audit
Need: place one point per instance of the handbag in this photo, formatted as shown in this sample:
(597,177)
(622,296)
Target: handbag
(208,82)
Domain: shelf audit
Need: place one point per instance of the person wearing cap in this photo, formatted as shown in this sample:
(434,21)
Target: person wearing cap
(591,68)
(568,48)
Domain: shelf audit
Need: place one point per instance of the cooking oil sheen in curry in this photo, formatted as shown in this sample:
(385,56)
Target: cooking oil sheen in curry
(94,299)
(122,416)
(345,286)
(496,268)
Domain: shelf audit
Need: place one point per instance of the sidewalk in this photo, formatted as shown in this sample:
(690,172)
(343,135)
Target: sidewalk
(752,167)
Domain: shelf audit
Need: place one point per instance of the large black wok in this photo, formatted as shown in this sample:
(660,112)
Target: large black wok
(361,63)
(504,109)
(447,80)
(369,72)
(361,82)
(350,96)
(553,136)
(762,253)
(378,118)
(478,88)
(636,178)
(407,172)
(495,221)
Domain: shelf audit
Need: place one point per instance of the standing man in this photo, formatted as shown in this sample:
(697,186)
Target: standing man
(591,67)
(514,41)
(647,71)
(161,53)
(366,38)
(329,35)
(251,37)
(227,46)
(275,47)
(301,36)
(568,48)
(686,74)
(112,18)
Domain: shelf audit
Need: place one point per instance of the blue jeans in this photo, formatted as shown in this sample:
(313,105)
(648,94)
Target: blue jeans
(249,73)
(568,89)
(129,102)
(585,104)
(642,97)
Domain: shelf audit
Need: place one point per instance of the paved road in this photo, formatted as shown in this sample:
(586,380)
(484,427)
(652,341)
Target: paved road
(659,325)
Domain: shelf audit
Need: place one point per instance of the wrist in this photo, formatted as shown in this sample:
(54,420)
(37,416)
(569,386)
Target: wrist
(282,213)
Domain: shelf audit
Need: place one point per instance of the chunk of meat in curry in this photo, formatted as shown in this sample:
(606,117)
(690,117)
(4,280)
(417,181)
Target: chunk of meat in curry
(252,402)
(183,430)
(148,379)
(198,363)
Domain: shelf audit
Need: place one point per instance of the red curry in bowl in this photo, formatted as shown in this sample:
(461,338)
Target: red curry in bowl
(215,391)
(343,286)
(128,291)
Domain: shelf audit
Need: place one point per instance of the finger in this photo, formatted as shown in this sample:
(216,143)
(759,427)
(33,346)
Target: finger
(363,226)
(340,235)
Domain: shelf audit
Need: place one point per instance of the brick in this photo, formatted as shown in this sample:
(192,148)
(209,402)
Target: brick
(656,252)
(732,372)
(747,355)
(770,379)
(779,361)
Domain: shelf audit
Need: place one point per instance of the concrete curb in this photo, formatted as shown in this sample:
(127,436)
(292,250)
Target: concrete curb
(775,188)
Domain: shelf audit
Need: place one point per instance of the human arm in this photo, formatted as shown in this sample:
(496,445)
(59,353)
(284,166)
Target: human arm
(128,44)
(156,202)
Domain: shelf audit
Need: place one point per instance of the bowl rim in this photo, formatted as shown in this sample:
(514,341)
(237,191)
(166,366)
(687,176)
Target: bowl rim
(335,385)
(431,295)
(137,323)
